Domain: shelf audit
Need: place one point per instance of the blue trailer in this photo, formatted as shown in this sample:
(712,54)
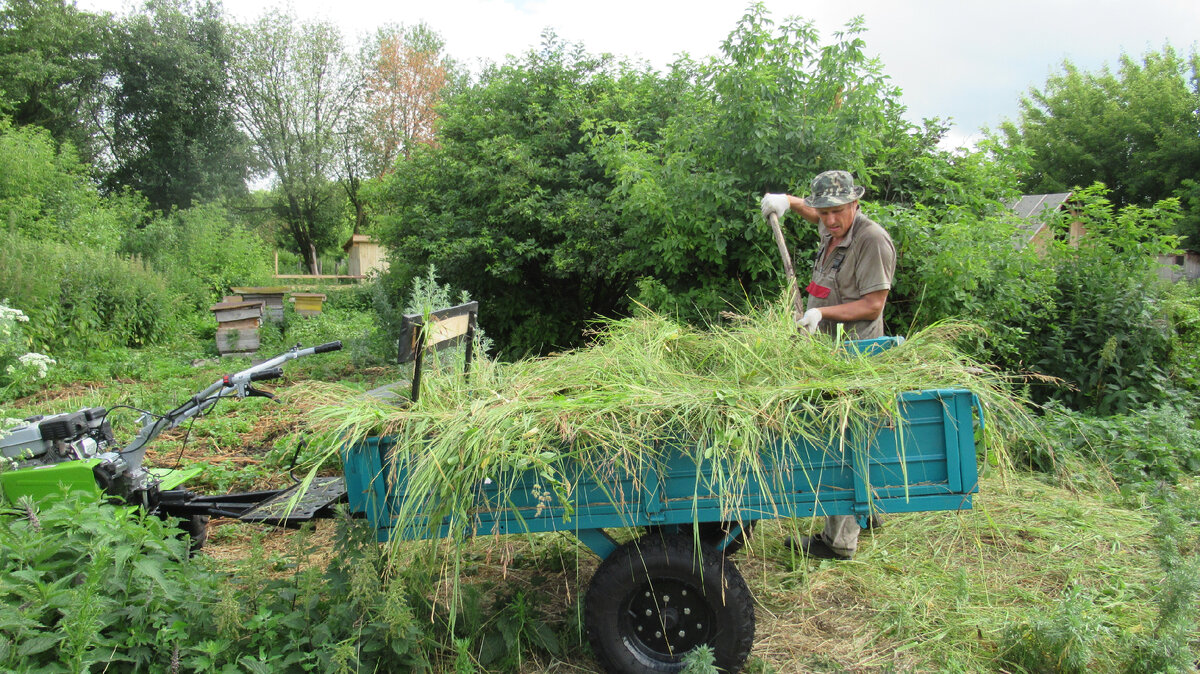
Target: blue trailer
(673,588)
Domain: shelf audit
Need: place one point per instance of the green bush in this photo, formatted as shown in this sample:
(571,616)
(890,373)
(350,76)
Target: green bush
(88,584)
(79,299)
(1062,642)
(1092,316)
(46,193)
(1157,443)
(1181,303)
(954,264)
(203,253)
(92,587)
(1167,647)
(1107,336)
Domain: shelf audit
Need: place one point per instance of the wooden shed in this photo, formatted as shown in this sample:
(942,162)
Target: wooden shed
(364,255)
(1039,211)
(1181,266)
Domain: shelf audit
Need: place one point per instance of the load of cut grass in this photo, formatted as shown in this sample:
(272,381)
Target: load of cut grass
(646,384)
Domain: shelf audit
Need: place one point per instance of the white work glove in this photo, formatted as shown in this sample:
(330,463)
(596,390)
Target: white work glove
(810,320)
(775,203)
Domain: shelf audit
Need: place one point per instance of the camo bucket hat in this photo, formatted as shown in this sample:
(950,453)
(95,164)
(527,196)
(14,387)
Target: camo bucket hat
(833,188)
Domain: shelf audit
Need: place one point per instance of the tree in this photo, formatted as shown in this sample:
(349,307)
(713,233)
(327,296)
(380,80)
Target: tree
(174,134)
(295,85)
(1136,130)
(404,74)
(51,70)
(403,86)
(509,204)
(47,194)
(566,185)
(773,110)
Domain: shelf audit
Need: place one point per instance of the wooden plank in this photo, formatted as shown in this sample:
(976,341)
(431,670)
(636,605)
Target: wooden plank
(240,304)
(230,315)
(449,328)
(322,276)
(446,328)
(243,324)
(260,290)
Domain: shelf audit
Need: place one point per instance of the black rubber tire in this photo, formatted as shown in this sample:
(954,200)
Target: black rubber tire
(653,584)
(713,533)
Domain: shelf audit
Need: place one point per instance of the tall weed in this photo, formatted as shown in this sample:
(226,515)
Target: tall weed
(1062,642)
(81,299)
(1157,443)
(1168,648)
(203,253)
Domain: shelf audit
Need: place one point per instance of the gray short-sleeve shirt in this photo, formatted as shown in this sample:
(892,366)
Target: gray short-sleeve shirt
(863,262)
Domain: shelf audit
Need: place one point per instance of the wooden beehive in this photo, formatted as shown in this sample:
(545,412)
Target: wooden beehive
(270,296)
(237,325)
(308,304)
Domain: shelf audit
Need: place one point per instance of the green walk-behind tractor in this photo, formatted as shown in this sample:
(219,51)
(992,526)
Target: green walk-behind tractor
(78,450)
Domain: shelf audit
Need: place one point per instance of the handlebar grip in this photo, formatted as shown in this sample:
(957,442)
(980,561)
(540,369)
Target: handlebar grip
(273,373)
(331,346)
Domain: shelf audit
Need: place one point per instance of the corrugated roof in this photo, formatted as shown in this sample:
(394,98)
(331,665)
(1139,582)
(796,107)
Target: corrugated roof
(1031,207)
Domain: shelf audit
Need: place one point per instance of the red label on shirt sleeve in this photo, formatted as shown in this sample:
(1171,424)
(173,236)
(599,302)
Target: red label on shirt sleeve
(820,292)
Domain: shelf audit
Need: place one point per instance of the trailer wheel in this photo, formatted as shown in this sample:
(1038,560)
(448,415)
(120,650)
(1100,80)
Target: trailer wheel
(655,599)
(713,533)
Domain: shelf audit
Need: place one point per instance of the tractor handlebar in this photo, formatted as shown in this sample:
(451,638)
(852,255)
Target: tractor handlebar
(237,384)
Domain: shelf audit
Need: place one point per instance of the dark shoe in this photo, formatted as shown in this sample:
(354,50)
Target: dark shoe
(875,521)
(813,546)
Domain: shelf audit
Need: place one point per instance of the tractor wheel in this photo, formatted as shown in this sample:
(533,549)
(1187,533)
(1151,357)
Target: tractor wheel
(657,598)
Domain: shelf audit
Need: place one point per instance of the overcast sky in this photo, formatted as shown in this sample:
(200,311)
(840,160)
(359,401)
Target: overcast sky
(966,60)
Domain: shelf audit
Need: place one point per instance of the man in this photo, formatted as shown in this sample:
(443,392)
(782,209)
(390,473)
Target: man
(851,277)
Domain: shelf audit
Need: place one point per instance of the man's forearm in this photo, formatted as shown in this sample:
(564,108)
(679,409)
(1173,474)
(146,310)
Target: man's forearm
(866,308)
(801,207)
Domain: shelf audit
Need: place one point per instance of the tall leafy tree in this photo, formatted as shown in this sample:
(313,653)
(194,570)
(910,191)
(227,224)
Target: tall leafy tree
(1136,130)
(295,84)
(174,135)
(566,185)
(775,108)
(509,204)
(51,68)
(405,71)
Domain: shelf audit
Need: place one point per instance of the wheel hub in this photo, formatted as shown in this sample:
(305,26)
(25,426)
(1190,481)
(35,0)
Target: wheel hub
(668,618)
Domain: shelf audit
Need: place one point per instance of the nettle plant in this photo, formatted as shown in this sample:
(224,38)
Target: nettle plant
(16,364)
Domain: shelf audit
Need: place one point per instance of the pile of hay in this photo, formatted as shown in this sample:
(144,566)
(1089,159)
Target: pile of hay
(645,382)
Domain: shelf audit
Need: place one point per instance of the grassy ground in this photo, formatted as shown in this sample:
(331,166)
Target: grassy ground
(929,592)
